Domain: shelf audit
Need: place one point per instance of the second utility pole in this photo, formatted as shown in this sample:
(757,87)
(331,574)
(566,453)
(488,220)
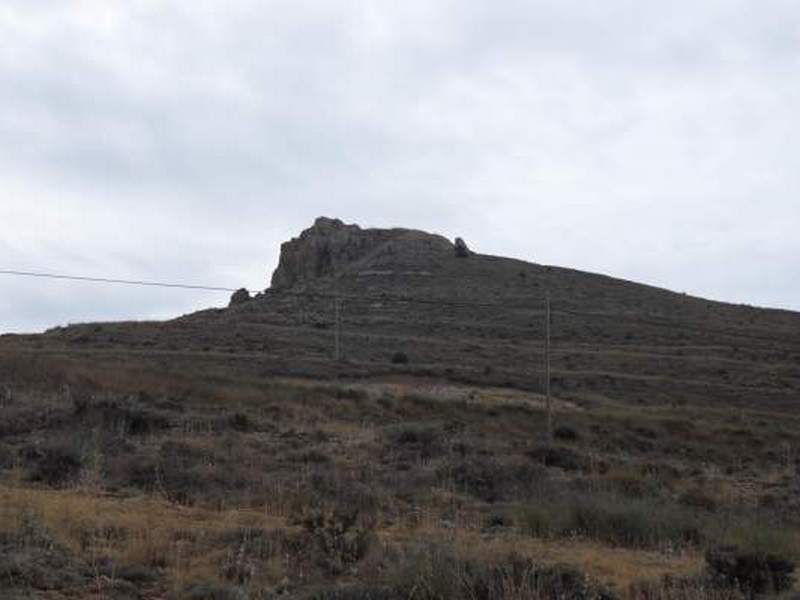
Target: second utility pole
(338,330)
(547,368)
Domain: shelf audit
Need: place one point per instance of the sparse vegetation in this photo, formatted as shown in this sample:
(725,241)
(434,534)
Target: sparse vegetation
(205,486)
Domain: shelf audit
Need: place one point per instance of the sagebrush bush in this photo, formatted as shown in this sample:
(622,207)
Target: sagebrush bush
(616,520)
(240,422)
(400,358)
(542,520)
(435,572)
(754,573)
(633,523)
(358,591)
(695,587)
(697,497)
(339,537)
(561,457)
(426,438)
(200,591)
(7,457)
(491,480)
(121,415)
(56,465)
(565,433)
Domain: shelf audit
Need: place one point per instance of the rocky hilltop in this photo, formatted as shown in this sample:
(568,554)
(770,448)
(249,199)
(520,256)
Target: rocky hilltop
(330,248)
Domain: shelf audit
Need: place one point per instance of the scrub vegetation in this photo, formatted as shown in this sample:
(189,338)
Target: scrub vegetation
(154,482)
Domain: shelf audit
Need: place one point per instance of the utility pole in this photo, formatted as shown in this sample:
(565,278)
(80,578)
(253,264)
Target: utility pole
(338,330)
(547,368)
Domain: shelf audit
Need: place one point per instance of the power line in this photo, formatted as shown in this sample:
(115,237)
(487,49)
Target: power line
(309,294)
(116,281)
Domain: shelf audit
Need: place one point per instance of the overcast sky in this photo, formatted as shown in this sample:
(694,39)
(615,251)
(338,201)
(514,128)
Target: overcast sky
(184,141)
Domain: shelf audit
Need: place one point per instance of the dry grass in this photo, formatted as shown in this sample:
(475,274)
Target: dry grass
(211,493)
(617,567)
(143,531)
(185,541)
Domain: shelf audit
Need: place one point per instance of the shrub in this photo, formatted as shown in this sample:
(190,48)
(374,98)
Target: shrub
(6,457)
(436,573)
(122,416)
(491,480)
(541,520)
(240,422)
(566,434)
(677,426)
(761,536)
(139,575)
(338,537)
(238,567)
(498,519)
(55,465)
(142,422)
(754,573)
(200,591)
(261,544)
(400,358)
(424,437)
(474,476)
(699,498)
(350,393)
(32,560)
(561,457)
(629,481)
(632,523)
(422,401)
(695,587)
(661,471)
(178,472)
(312,456)
(358,591)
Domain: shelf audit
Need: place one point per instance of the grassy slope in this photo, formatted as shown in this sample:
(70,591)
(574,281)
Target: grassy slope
(180,477)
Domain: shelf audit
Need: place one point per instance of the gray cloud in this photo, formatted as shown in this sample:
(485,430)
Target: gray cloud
(184,141)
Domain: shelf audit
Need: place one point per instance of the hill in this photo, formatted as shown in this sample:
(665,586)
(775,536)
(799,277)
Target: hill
(479,319)
(230,454)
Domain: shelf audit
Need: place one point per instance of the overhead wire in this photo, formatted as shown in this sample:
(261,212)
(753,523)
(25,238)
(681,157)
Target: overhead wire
(115,281)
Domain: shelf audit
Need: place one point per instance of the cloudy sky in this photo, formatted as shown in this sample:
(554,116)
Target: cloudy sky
(183,141)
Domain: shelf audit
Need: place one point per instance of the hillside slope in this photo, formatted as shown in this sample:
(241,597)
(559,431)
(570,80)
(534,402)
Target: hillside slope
(478,319)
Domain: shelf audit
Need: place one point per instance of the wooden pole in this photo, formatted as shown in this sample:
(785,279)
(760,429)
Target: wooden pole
(547,368)
(338,330)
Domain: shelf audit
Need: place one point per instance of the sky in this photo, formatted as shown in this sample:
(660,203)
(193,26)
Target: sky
(183,141)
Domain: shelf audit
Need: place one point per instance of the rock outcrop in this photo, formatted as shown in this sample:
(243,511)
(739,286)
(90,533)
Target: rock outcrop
(462,250)
(331,247)
(240,296)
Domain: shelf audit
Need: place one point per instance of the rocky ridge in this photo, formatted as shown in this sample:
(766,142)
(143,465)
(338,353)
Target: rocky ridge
(331,248)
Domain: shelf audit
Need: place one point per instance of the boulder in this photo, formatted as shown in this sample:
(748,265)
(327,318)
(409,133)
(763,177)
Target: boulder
(240,296)
(462,250)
